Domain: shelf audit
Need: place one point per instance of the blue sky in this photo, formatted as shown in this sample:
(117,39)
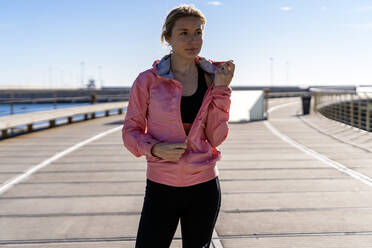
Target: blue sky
(43,42)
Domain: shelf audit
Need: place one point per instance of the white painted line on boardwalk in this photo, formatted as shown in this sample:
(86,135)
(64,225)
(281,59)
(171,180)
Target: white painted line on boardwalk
(10,183)
(216,242)
(359,176)
(281,106)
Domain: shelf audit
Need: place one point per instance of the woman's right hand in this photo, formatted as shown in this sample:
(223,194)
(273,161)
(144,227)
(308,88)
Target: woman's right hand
(224,73)
(169,151)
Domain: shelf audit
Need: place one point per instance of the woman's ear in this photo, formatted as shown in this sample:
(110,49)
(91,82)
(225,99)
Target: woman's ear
(167,39)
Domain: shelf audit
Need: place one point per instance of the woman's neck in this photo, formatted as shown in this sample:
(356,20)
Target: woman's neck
(181,66)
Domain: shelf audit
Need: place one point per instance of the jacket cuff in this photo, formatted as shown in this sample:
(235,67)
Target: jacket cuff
(147,146)
(221,97)
(220,90)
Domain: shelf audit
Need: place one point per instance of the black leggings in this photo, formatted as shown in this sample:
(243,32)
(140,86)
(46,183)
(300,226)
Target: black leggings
(197,206)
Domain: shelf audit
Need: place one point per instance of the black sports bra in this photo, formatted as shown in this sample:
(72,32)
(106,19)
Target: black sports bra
(190,105)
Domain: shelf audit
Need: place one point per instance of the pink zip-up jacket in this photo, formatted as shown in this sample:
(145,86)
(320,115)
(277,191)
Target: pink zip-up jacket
(154,115)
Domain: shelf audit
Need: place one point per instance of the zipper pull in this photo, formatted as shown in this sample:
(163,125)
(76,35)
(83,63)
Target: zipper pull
(187,143)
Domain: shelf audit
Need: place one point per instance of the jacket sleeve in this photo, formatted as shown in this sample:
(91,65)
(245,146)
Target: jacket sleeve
(135,122)
(216,128)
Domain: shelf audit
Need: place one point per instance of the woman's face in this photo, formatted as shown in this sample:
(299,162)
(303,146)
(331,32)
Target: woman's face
(187,37)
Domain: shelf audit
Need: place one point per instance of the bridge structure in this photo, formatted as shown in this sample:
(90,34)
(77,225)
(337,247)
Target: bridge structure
(292,180)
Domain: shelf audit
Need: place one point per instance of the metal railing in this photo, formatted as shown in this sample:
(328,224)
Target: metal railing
(287,94)
(347,106)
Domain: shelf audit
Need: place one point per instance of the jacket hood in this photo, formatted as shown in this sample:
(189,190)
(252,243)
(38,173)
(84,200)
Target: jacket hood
(162,67)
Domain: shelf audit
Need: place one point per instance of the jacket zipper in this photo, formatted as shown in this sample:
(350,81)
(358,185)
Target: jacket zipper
(197,115)
(181,124)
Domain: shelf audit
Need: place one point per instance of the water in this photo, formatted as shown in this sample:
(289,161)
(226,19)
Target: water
(21,108)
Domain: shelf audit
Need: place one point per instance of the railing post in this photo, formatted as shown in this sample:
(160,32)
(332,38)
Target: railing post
(351,110)
(338,107)
(52,123)
(332,108)
(344,104)
(266,103)
(315,102)
(93,98)
(341,108)
(12,104)
(334,99)
(30,128)
(359,113)
(4,133)
(11,108)
(368,111)
(55,100)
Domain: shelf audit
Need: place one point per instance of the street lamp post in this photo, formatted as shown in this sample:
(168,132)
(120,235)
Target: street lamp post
(271,71)
(287,72)
(100,76)
(82,74)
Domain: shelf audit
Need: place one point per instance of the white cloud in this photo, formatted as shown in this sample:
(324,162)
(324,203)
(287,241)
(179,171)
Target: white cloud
(324,8)
(363,9)
(362,26)
(286,8)
(216,3)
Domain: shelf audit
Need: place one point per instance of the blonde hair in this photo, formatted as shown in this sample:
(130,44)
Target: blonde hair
(182,10)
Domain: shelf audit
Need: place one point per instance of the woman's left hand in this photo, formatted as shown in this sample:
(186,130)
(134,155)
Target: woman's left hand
(224,73)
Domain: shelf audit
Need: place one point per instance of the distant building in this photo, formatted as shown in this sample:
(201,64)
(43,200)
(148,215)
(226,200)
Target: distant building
(91,84)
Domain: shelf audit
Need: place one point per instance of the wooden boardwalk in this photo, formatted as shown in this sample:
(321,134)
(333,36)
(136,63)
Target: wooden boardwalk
(293,181)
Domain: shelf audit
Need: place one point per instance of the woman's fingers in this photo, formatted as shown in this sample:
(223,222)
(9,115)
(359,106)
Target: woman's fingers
(175,155)
(224,73)
(176,150)
(226,67)
(182,145)
(230,65)
(170,151)
(223,69)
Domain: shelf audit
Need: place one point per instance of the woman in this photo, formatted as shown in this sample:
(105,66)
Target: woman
(177,115)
